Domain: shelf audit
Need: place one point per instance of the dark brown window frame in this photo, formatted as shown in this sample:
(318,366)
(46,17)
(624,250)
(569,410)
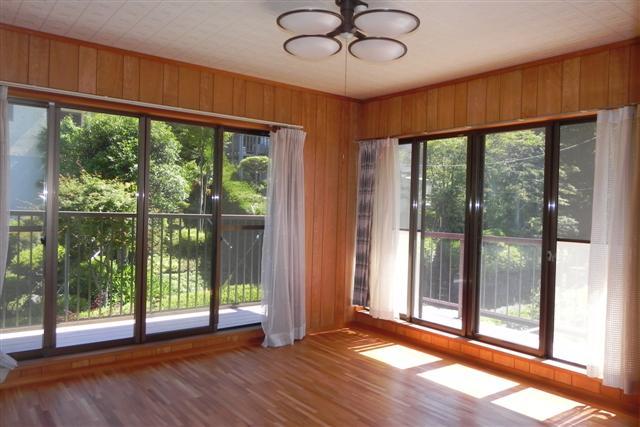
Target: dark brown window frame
(53,109)
(473,224)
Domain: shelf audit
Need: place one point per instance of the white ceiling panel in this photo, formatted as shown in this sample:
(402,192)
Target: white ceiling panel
(456,38)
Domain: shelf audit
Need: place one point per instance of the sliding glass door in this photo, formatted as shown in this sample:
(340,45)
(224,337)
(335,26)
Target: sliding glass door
(243,205)
(180,231)
(509,280)
(97,204)
(440,232)
(22,299)
(127,228)
(496,228)
(575,190)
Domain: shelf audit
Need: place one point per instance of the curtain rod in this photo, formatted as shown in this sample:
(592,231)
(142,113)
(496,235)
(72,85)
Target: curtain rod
(145,104)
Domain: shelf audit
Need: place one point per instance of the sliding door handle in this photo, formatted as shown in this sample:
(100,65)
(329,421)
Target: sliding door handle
(551,257)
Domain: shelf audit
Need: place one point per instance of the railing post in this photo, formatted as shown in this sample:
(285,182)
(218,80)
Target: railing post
(66,275)
(460,281)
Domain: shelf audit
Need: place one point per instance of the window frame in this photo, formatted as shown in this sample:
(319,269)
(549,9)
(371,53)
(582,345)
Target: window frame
(473,228)
(49,324)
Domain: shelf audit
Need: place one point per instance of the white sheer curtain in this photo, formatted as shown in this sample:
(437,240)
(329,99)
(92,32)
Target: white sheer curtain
(283,246)
(6,362)
(383,278)
(614,288)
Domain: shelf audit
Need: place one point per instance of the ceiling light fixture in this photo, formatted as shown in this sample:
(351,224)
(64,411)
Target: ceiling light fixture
(370,33)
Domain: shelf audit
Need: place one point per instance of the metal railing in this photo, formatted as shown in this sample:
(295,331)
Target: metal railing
(509,276)
(97,267)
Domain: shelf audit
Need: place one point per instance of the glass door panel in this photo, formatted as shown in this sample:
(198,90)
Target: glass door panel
(511,236)
(22,296)
(244,186)
(403,252)
(97,202)
(439,260)
(575,188)
(180,231)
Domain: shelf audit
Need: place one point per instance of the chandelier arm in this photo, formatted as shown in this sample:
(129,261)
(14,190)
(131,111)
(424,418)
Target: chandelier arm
(359,35)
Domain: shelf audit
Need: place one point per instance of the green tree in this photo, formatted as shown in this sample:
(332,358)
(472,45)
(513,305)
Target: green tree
(253,169)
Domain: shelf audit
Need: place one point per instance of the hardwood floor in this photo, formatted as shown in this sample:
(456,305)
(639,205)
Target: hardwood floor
(342,378)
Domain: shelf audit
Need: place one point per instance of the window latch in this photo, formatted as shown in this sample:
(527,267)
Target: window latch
(551,256)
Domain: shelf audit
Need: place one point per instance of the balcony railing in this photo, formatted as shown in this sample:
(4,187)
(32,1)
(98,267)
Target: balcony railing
(97,268)
(510,276)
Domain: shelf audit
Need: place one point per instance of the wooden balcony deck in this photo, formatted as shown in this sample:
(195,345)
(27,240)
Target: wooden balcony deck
(76,333)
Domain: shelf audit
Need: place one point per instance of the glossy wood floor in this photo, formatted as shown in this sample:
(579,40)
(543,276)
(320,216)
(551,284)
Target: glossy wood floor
(342,378)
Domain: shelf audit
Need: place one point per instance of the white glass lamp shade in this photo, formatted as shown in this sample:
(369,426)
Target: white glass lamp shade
(386,22)
(310,21)
(377,49)
(312,47)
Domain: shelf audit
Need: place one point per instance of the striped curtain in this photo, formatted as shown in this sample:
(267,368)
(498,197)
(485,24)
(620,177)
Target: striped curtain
(366,184)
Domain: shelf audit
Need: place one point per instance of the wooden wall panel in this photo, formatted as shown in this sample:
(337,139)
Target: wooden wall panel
(296,107)
(419,111)
(188,88)
(269,102)
(384,113)
(223,93)
(477,101)
(331,124)
(407,113)
(15,64)
(549,89)
(619,76)
(254,103)
(567,85)
(170,76)
(310,146)
(493,98)
(460,105)
(330,214)
(110,73)
(634,74)
(206,91)
(38,61)
(87,69)
(510,95)
(432,109)
(350,212)
(395,116)
(446,103)
(239,96)
(63,65)
(317,226)
(282,108)
(131,77)
(594,80)
(530,92)
(151,81)
(570,85)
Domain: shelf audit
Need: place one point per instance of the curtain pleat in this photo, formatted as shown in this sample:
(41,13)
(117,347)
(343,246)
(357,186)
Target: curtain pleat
(364,203)
(613,287)
(383,255)
(283,252)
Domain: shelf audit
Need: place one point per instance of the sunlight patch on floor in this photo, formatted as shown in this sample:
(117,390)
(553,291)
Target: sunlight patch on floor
(399,356)
(470,381)
(537,404)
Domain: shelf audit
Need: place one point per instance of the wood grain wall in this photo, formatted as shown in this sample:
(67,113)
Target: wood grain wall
(330,122)
(603,77)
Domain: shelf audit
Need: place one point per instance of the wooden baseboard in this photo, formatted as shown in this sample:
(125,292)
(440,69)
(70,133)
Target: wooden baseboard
(563,377)
(59,367)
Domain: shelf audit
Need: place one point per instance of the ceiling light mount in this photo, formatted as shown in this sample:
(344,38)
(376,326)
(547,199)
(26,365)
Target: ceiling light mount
(370,33)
